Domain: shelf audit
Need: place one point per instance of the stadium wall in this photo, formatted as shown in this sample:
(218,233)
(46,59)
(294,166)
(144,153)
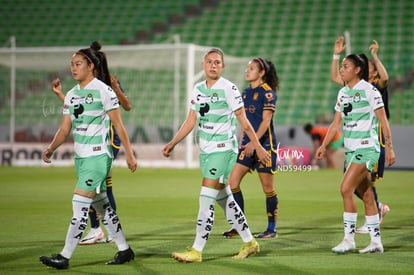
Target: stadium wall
(149,154)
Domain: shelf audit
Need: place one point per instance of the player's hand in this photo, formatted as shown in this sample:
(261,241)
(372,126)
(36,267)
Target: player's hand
(248,149)
(320,152)
(114,81)
(168,148)
(389,156)
(339,45)
(56,86)
(132,163)
(46,155)
(374,48)
(262,155)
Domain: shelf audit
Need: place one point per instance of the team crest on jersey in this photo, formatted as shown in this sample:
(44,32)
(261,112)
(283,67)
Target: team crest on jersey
(255,96)
(357,97)
(214,98)
(89,99)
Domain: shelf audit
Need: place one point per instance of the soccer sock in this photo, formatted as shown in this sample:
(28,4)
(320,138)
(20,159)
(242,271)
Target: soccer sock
(110,220)
(109,192)
(234,214)
(93,217)
(374,190)
(350,220)
(271,208)
(80,208)
(374,228)
(205,217)
(238,197)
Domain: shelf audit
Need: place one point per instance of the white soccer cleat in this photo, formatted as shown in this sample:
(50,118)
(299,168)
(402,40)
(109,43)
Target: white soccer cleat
(384,210)
(95,235)
(345,246)
(372,248)
(362,229)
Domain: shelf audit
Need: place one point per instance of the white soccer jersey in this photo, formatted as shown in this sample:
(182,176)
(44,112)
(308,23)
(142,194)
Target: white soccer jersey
(88,109)
(215,108)
(359,123)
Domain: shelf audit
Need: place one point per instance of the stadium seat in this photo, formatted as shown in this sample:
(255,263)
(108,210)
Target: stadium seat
(297,37)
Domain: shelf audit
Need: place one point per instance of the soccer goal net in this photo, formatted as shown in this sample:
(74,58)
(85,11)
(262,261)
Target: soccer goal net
(158,80)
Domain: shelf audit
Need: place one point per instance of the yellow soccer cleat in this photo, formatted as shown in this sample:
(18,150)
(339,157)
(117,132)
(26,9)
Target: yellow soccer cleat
(248,249)
(190,256)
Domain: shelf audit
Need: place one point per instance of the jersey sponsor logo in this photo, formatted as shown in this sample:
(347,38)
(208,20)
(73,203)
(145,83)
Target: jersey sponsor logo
(78,110)
(343,97)
(81,129)
(213,171)
(221,145)
(204,108)
(200,96)
(89,182)
(239,99)
(77,99)
(96,148)
(350,126)
(115,101)
(347,108)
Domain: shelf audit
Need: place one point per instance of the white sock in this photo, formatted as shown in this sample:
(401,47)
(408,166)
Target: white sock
(234,214)
(205,217)
(350,220)
(374,228)
(80,208)
(110,220)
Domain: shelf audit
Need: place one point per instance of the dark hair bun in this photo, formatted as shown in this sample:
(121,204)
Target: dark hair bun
(95,46)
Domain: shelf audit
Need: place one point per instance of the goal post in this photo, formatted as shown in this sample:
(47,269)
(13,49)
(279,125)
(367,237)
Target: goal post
(157,78)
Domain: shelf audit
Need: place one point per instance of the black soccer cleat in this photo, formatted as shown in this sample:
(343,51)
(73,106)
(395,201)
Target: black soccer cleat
(230,233)
(122,257)
(56,261)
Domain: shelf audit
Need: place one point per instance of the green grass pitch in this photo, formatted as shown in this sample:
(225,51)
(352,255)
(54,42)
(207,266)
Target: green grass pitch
(158,211)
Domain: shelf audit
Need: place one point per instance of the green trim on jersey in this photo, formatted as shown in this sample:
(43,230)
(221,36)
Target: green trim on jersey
(216,120)
(359,122)
(88,109)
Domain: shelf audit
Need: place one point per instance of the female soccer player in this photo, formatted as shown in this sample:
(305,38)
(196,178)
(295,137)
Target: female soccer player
(96,234)
(378,77)
(88,108)
(259,104)
(358,109)
(214,107)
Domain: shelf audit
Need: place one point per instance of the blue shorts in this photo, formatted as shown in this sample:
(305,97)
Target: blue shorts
(254,164)
(378,170)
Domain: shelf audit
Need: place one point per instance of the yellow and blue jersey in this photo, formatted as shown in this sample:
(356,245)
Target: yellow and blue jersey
(256,101)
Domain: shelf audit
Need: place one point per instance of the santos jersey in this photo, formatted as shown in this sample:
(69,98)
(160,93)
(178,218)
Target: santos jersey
(357,107)
(256,101)
(215,108)
(88,109)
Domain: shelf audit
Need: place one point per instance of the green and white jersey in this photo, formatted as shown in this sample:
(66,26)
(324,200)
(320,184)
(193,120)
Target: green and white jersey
(88,109)
(215,115)
(359,123)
